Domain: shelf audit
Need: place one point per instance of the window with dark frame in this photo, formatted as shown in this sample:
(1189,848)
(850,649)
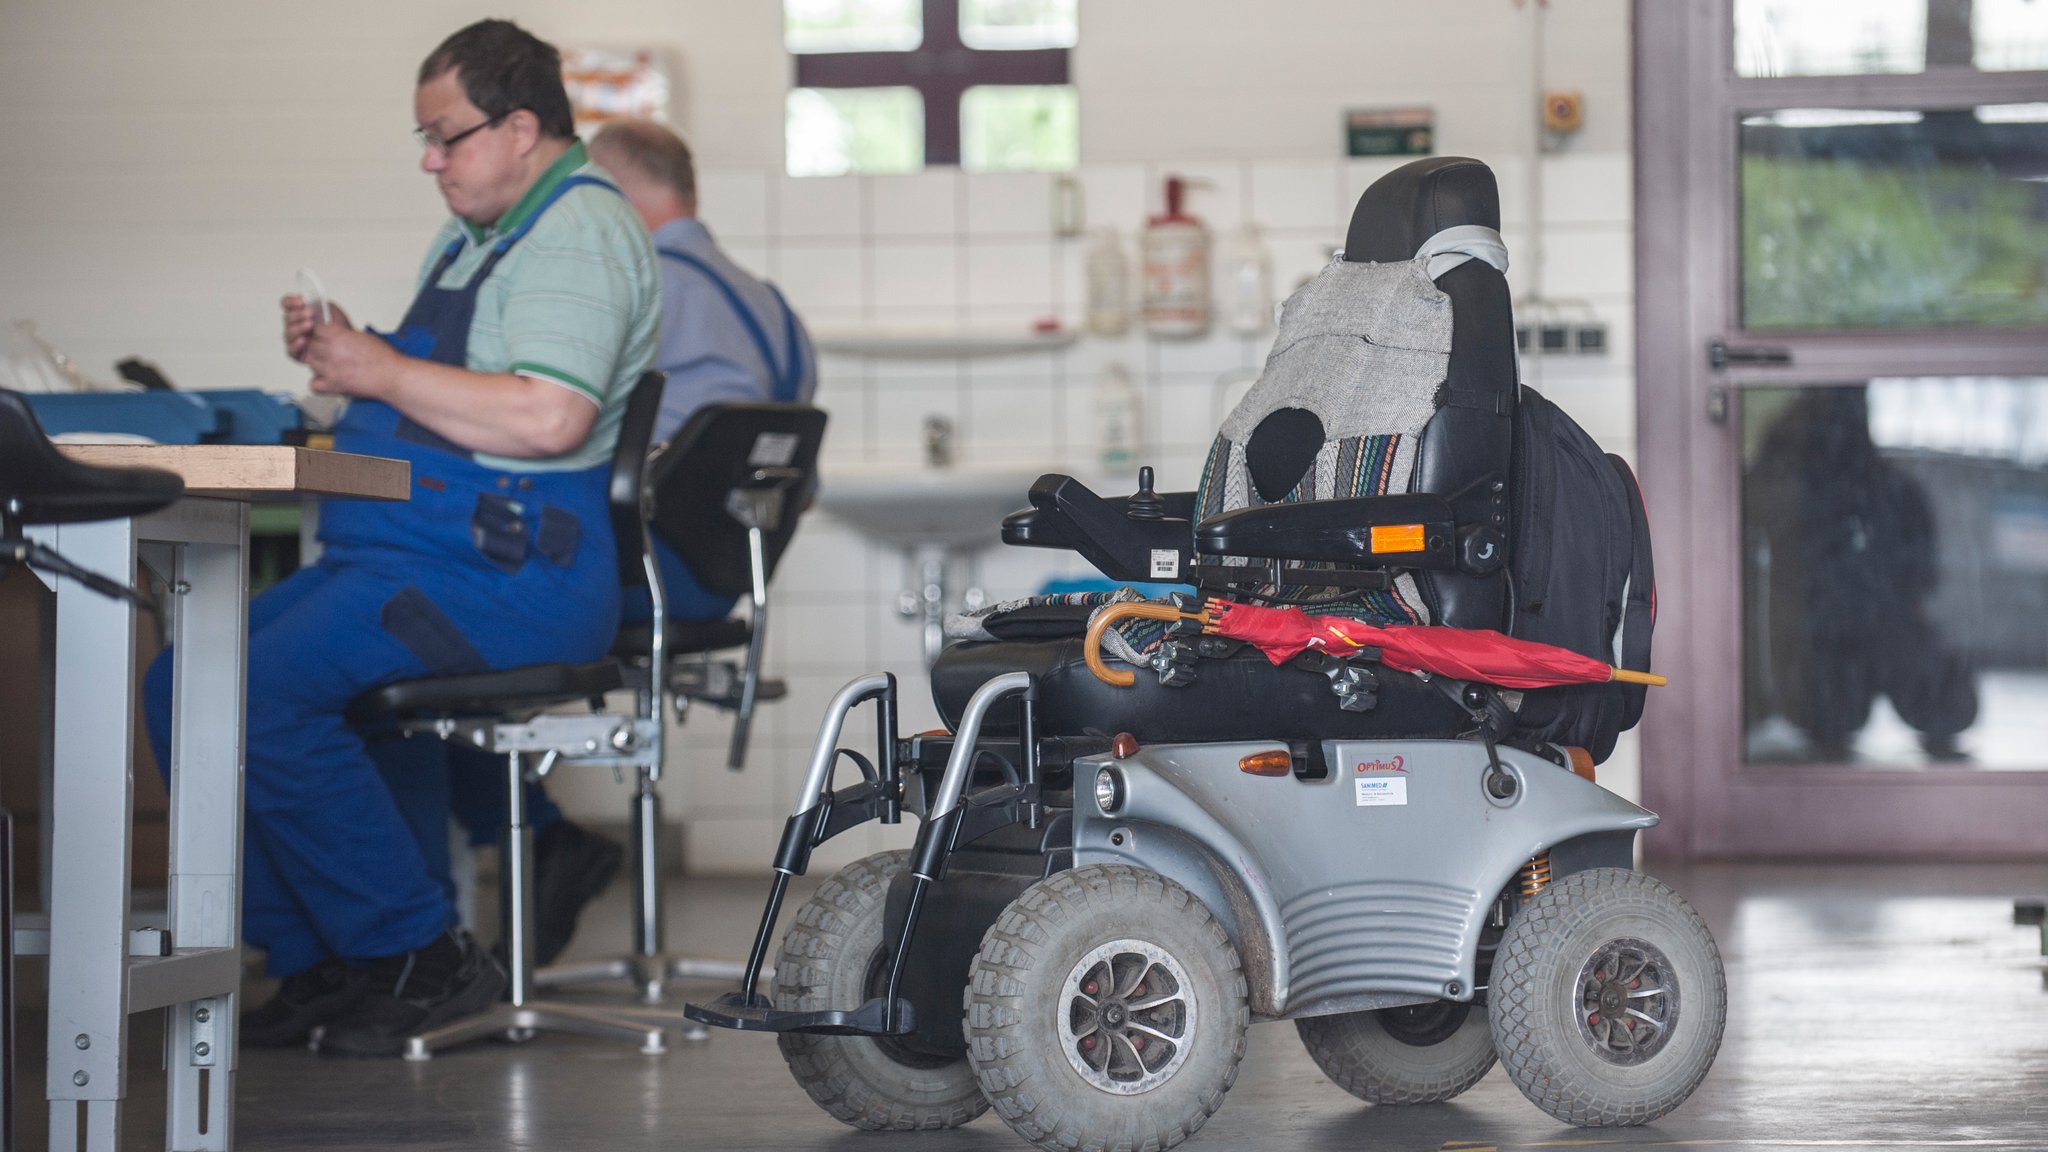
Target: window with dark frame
(895,85)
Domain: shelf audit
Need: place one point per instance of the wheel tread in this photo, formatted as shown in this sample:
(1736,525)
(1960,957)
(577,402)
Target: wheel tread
(821,1064)
(1520,1020)
(994,1002)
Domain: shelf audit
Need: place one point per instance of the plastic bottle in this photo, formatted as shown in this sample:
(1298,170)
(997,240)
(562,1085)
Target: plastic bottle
(1116,418)
(1109,285)
(1248,280)
(1175,250)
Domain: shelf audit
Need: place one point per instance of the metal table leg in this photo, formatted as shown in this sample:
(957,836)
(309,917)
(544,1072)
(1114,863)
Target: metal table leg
(94,982)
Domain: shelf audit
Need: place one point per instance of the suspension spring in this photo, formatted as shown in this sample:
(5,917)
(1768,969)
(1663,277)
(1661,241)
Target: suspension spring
(1535,875)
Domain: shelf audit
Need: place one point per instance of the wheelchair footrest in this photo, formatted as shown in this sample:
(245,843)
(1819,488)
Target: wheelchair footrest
(734,1010)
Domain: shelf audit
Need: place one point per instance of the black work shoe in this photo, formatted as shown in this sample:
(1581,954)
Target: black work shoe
(414,992)
(571,866)
(304,1001)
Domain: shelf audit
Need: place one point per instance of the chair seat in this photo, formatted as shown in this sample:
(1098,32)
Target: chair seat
(684,637)
(1239,697)
(508,691)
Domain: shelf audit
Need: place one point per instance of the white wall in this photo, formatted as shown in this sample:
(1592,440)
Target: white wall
(175,164)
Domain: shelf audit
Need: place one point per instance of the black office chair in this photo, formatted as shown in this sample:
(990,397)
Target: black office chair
(40,485)
(742,464)
(725,495)
(507,712)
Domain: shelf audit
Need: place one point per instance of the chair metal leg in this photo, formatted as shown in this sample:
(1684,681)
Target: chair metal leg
(525,1016)
(648,967)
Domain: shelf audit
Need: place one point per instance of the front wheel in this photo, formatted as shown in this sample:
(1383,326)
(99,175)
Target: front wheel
(1106,1009)
(835,956)
(1607,999)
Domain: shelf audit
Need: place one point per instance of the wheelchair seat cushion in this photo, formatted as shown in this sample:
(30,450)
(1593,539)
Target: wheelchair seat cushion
(1239,697)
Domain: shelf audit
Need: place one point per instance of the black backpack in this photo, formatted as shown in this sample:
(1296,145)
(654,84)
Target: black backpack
(1581,574)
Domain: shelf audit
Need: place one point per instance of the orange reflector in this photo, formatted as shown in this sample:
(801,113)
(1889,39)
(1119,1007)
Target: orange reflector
(1123,746)
(1397,537)
(1277,763)
(1582,761)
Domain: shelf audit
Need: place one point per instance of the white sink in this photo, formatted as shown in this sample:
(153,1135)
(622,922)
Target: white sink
(956,508)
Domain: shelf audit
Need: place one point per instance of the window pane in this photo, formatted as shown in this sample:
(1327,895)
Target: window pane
(1829,37)
(1895,219)
(833,131)
(1895,573)
(852,25)
(1011,127)
(2011,35)
(999,24)
(1862,37)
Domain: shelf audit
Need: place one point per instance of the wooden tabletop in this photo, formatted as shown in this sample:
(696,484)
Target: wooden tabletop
(258,471)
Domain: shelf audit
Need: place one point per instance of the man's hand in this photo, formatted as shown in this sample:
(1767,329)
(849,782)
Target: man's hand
(299,322)
(346,362)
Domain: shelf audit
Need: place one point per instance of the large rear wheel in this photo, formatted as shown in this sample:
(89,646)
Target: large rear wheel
(1106,1010)
(1607,999)
(835,956)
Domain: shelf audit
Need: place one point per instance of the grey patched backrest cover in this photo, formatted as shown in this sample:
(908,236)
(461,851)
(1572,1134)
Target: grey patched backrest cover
(1366,348)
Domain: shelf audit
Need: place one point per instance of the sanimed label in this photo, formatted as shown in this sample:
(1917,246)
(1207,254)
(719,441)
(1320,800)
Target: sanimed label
(1397,537)
(1165,564)
(1374,791)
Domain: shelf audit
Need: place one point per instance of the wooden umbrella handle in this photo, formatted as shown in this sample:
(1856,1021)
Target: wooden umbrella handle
(1626,676)
(1092,647)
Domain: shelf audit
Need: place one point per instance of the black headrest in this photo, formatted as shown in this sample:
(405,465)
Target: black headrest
(1417,201)
(40,485)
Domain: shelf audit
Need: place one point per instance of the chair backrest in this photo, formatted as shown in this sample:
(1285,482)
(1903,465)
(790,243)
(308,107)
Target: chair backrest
(700,477)
(40,485)
(1470,440)
(1351,402)
(629,467)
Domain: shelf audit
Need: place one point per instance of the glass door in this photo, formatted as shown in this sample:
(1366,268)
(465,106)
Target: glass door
(1842,284)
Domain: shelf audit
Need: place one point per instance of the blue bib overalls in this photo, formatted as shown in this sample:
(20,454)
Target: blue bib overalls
(483,568)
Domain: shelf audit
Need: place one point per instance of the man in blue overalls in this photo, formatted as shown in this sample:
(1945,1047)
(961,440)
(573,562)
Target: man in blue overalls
(725,336)
(503,386)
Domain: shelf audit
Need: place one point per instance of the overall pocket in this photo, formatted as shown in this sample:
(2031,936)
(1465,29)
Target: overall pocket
(498,529)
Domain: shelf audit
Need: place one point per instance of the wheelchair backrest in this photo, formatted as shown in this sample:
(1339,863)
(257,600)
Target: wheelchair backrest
(1393,371)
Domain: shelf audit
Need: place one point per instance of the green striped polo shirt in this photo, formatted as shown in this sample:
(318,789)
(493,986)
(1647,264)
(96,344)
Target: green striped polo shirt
(575,302)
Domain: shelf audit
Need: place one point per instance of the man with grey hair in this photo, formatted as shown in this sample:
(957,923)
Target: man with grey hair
(725,335)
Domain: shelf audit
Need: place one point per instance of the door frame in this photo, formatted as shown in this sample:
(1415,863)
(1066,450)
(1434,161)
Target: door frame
(1687,102)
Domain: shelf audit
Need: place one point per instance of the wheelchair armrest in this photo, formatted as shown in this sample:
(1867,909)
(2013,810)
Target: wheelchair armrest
(1400,531)
(1064,513)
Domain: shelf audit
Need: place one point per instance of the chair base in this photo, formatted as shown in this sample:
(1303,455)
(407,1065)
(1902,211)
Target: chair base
(649,975)
(520,1022)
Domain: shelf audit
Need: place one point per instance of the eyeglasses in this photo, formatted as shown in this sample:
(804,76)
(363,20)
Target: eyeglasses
(433,143)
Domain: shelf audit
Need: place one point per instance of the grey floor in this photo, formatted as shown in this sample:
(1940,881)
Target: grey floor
(1880,1007)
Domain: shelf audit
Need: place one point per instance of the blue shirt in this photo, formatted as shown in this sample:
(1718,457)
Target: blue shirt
(706,349)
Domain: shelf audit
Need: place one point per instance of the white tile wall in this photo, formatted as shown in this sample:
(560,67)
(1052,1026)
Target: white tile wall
(166,211)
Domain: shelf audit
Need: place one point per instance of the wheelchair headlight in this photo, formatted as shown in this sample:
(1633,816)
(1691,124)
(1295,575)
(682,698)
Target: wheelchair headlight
(1109,791)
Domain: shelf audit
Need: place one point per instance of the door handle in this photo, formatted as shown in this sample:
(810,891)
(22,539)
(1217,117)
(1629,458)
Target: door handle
(1720,355)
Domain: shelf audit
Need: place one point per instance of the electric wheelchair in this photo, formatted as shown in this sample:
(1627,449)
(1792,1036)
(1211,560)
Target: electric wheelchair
(1112,882)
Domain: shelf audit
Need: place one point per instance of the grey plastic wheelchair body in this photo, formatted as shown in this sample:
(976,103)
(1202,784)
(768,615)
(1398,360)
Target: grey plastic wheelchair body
(1367,888)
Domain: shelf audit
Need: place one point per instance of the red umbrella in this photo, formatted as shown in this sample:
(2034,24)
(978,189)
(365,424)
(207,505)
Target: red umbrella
(1461,653)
